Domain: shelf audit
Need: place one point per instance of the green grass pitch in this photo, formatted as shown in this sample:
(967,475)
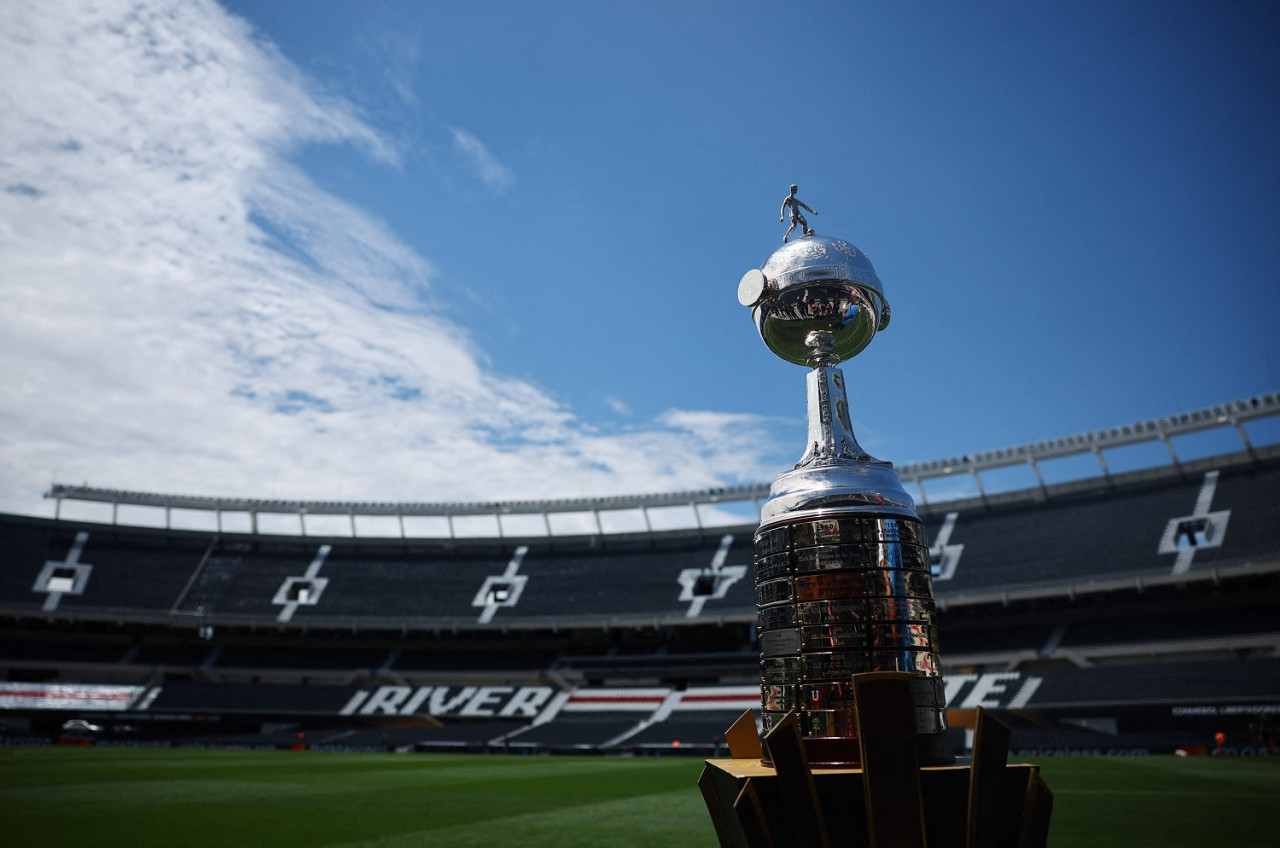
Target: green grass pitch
(236,799)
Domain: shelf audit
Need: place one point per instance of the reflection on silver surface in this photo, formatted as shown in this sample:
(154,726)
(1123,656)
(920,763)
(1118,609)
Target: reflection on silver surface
(817,283)
(848,530)
(780,671)
(774,591)
(817,722)
(896,635)
(826,696)
(775,617)
(850,314)
(844,722)
(837,489)
(839,666)
(770,567)
(774,541)
(920,663)
(884,583)
(840,610)
(866,555)
(902,609)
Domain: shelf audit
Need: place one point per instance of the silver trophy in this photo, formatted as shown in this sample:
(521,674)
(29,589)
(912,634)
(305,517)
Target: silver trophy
(843,582)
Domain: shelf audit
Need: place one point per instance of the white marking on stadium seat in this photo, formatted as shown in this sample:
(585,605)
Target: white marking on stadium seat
(465,701)
(386,700)
(720,698)
(946,555)
(305,597)
(1207,488)
(356,700)
(664,710)
(1029,687)
(1214,528)
(422,693)
(57,586)
(953,684)
(724,576)
(552,709)
(441,704)
(502,591)
(526,701)
(986,688)
(148,697)
(1055,639)
(486,702)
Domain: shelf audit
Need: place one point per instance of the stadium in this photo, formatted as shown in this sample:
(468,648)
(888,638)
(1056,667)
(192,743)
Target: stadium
(430,462)
(1119,612)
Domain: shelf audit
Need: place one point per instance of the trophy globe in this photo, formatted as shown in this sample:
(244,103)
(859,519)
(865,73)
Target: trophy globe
(816,284)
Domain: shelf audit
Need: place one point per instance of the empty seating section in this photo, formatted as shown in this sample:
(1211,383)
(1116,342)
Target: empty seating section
(667,666)
(578,730)
(582,643)
(403,584)
(702,728)
(187,656)
(1206,623)
(320,657)
(1025,637)
(1174,683)
(44,650)
(1032,741)
(24,549)
(1252,498)
(191,576)
(450,659)
(1077,540)
(136,572)
(241,579)
(465,732)
(627,582)
(129,569)
(287,698)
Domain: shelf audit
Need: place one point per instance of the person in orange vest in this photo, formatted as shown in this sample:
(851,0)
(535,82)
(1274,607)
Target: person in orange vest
(1221,739)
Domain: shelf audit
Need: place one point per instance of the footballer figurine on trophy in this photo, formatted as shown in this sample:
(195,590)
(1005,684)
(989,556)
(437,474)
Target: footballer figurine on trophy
(843,583)
(792,204)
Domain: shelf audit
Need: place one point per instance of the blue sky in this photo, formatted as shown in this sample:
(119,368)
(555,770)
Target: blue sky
(487,250)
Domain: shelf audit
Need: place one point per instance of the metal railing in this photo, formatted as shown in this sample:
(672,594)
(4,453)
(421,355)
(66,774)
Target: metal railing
(1233,414)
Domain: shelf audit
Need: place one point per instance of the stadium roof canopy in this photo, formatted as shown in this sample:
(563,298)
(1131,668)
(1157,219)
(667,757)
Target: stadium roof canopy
(589,510)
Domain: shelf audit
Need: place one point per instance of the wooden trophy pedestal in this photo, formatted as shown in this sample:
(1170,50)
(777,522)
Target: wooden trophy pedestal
(888,800)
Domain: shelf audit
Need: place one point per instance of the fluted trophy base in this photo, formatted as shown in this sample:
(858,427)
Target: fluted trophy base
(843,586)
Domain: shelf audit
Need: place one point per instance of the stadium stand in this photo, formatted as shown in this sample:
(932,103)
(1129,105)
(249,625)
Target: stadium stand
(181,576)
(1140,603)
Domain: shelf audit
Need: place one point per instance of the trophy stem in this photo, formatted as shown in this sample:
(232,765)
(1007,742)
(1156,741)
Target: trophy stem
(831,439)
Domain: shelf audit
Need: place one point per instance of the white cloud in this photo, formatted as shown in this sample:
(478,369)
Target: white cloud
(397,46)
(483,164)
(185,311)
